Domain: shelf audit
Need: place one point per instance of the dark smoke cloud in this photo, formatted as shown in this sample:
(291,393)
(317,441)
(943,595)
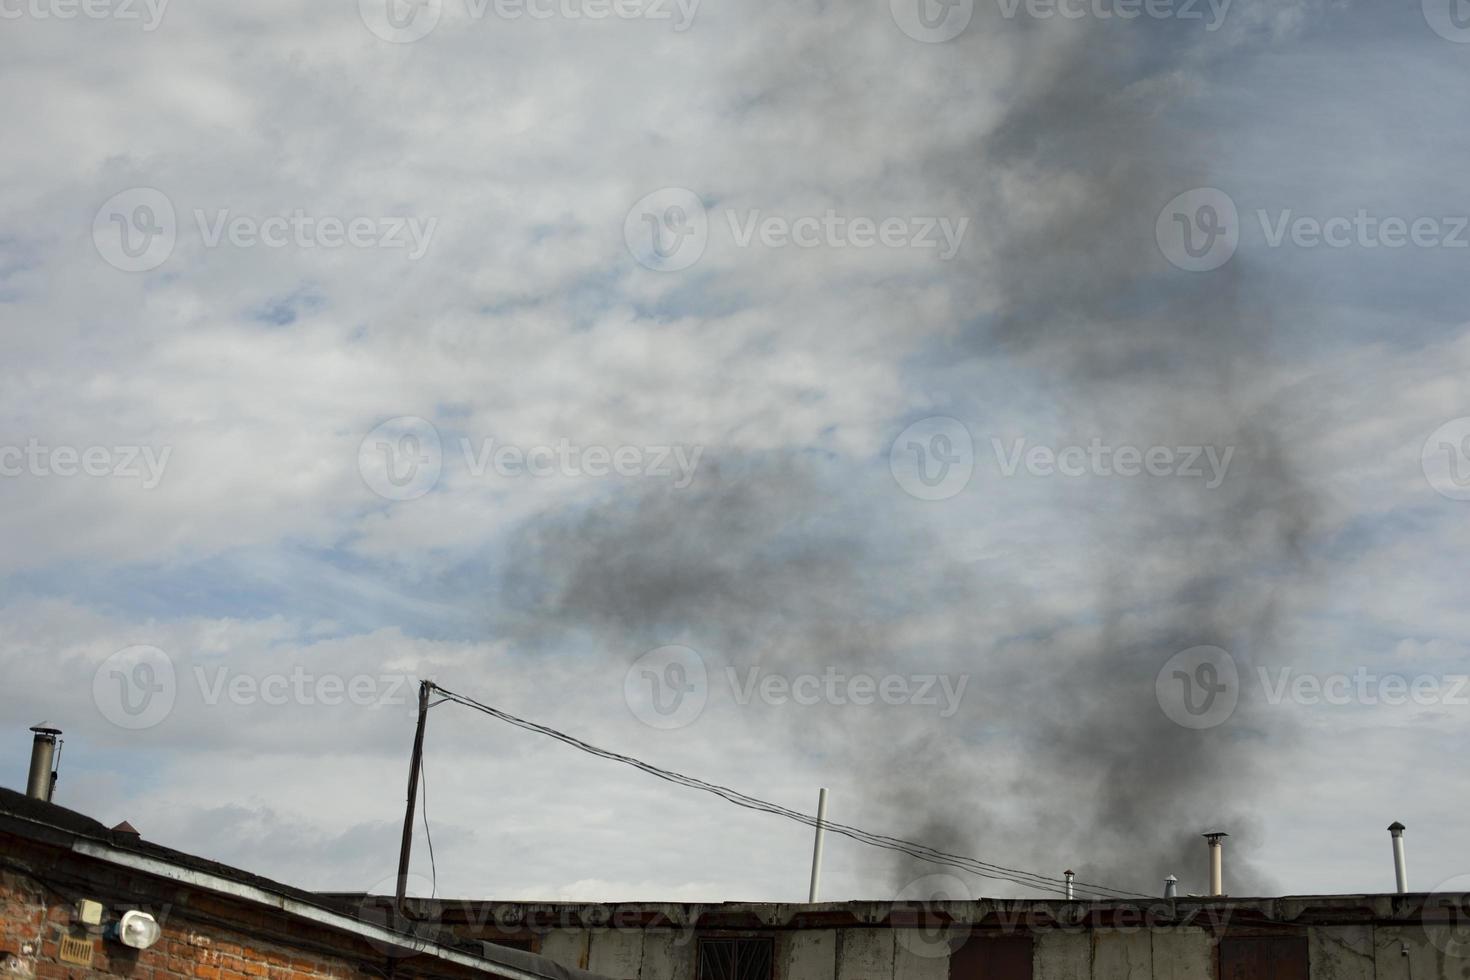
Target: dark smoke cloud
(1061,755)
(1077,285)
(762,550)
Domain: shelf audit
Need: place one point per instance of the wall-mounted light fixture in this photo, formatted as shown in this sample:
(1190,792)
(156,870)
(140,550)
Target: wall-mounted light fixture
(136,929)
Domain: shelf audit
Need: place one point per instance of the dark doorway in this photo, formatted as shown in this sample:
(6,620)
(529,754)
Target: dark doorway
(992,958)
(1263,958)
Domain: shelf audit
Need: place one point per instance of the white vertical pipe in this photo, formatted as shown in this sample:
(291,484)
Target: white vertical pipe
(817,844)
(1069,876)
(1217,874)
(1400,867)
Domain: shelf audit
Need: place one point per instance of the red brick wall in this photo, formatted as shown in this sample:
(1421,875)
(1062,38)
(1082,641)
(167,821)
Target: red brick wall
(34,921)
(206,936)
(22,913)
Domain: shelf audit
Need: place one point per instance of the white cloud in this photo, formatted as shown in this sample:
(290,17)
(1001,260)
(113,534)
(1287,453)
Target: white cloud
(262,551)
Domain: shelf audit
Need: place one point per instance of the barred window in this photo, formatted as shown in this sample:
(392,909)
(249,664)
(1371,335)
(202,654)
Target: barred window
(735,959)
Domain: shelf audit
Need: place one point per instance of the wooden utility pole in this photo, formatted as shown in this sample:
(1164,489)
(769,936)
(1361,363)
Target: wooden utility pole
(413,794)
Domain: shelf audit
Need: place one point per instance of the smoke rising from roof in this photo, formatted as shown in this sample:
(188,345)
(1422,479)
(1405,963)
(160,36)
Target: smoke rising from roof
(1060,755)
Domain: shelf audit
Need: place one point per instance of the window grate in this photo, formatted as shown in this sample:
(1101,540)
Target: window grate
(735,959)
(76,950)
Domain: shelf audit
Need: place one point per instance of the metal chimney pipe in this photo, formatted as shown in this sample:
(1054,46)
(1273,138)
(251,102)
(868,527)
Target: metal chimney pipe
(1217,876)
(1069,876)
(1400,868)
(42,780)
(811,895)
(1171,887)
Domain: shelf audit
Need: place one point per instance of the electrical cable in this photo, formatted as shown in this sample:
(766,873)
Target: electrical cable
(913,848)
(433,867)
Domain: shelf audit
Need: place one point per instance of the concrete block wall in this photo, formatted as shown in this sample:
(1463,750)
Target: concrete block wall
(1415,952)
(864,954)
(1342,953)
(667,956)
(618,953)
(1062,956)
(569,947)
(1182,954)
(920,955)
(1337,952)
(622,954)
(807,954)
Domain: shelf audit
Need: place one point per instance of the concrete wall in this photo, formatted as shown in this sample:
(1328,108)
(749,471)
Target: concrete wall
(1403,953)
(1342,953)
(806,954)
(1346,952)
(1062,956)
(1182,954)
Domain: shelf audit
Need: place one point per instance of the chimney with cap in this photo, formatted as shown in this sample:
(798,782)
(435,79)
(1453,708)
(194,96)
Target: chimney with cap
(41,782)
(1217,875)
(1400,869)
(1171,887)
(1069,876)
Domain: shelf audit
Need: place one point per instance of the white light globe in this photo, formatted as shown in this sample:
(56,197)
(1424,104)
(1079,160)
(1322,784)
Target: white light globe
(138,930)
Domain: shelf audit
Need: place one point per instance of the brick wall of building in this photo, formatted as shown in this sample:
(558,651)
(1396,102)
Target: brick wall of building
(205,935)
(35,921)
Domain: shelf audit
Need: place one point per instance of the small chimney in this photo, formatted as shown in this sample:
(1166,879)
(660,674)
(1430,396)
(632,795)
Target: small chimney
(1171,887)
(1069,876)
(1400,868)
(1217,875)
(41,782)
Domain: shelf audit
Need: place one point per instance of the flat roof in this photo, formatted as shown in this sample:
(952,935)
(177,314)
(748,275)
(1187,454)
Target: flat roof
(982,913)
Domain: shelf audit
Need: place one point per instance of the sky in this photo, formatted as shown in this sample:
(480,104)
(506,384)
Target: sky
(1043,424)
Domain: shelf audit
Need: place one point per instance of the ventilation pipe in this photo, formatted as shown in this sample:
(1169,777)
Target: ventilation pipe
(1400,869)
(1069,876)
(1171,887)
(41,782)
(821,825)
(1217,875)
